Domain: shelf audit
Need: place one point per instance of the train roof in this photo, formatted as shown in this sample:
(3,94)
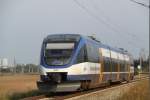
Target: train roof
(76,37)
(62,37)
(61,34)
(93,40)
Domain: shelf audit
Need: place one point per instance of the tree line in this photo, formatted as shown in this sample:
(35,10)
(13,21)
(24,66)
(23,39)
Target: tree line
(32,68)
(21,68)
(144,65)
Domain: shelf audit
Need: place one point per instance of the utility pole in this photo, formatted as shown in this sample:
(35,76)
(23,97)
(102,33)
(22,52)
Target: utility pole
(149,59)
(142,58)
(140,62)
(22,67)
(14,66)
(149,66)
(0,65)
(147,6)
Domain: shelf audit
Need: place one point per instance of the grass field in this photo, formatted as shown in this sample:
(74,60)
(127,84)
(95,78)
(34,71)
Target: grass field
(18,86)
(11,84)
(140,91)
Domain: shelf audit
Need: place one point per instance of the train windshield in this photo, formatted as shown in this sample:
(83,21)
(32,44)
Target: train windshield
(58,53)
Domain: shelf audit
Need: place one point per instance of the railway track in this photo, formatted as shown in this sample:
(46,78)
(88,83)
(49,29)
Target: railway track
(65,95)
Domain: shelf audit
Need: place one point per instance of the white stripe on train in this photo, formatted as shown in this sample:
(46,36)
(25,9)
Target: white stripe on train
(79,69)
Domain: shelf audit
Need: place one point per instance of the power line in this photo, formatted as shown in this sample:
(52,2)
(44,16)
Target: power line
(142,4)
(93,15)
(100,20)
(114,24)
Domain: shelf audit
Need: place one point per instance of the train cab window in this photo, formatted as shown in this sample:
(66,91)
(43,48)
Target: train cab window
(58,53)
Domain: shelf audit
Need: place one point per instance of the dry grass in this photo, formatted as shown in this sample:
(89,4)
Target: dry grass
(10,85)
(140,91)
(18,86)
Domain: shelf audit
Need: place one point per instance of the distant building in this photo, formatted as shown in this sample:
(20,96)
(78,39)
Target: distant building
(0,62)
(4,63)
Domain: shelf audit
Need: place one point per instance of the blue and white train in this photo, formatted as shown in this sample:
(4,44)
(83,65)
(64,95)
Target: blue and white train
(71,62)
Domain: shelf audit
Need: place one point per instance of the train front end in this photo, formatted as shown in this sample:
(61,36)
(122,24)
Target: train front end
(57,57)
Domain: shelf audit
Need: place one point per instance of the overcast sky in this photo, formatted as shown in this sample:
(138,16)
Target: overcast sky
(24,24)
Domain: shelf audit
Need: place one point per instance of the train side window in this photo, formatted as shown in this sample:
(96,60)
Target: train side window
(120,67)
(85,54)
(92,53)
(127,66)
(82,55)
(113,65)
(116,66)
(123,66)
(107,65)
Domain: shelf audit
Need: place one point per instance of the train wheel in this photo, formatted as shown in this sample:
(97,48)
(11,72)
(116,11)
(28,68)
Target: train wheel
(109,82)
(132,77)
(85,85)
(123,79)
(127,81)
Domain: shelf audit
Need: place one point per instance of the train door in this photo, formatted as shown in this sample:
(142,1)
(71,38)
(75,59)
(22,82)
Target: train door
(101,66)
(118,67)
(128,65)
(110,66)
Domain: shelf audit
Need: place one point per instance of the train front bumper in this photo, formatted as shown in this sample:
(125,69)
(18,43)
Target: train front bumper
(58,87)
